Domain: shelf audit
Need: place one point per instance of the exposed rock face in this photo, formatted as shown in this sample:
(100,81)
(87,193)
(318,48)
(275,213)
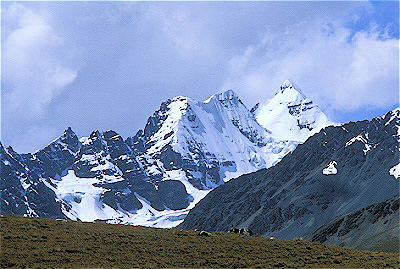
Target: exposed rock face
(296,197)
(375,227)
(173,194)
(26,186)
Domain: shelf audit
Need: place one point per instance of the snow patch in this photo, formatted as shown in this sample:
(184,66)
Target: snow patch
(84,140)
(24,184)
(395,171)
(83,196)
(363,140)
(229,175)
(330,169)
(148,216)
(123,157)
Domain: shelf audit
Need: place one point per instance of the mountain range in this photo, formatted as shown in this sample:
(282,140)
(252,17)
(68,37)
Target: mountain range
(281,169)
(154,178)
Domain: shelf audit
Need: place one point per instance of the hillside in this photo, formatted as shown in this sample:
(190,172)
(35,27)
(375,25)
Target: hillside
(375,227)
(37,242)
(336,171)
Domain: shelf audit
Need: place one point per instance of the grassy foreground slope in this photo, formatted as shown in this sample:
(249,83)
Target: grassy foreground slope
(37,242)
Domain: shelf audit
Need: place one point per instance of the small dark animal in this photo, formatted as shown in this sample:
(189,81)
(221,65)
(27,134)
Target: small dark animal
(234,230)
(245,231)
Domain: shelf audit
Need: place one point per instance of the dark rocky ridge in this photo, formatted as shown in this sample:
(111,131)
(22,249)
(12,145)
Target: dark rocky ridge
(25,184)
(375,227)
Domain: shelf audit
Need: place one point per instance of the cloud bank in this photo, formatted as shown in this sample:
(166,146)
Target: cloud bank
(338,67)
(34,71)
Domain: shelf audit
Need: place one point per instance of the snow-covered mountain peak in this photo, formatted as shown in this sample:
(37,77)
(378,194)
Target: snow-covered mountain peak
(95,134)
(288,84)
(163,126)
(219,133)
(230,100)
(289,94)
(394,115)
(166,117)
(227,95)
(229,104)
(290,114)
(392,118)
(153,178)
(227,98)
(180,99)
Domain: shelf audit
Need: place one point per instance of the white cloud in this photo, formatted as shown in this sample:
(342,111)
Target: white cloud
(32,66)
(134,55)
(185,31)
(336,67)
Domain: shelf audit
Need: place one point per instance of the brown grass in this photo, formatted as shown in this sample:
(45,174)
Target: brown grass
(36,242)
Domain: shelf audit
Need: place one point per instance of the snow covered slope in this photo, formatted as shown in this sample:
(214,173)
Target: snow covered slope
(337,171)
(290,115)
(154,178)
(219,139)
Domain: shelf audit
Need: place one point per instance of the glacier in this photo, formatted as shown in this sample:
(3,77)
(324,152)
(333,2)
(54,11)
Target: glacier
(291,115)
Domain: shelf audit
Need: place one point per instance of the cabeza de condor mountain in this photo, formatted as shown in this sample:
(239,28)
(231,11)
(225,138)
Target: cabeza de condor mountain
(186,149)
(337,171)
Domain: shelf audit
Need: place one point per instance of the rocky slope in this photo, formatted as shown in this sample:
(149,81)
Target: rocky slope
(186,149)
(26,185)
(375,227)
(336,171)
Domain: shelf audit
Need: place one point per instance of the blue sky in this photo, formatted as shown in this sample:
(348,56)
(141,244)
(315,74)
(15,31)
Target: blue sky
(109,65)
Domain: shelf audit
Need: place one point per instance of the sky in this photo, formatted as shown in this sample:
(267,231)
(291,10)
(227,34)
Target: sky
(109,65)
